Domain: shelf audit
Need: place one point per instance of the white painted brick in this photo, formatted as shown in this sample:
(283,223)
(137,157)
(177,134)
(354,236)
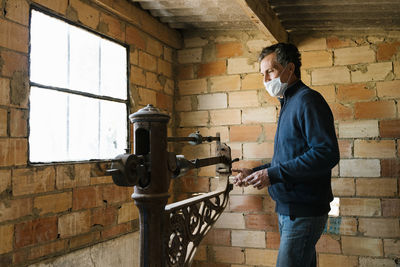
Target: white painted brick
(252,239)
(259,115)
(360,168)
(257,45)
(374,72)
(333,75)
(354,55)
(230,221)
(242,65)
(212,101)
(354,129)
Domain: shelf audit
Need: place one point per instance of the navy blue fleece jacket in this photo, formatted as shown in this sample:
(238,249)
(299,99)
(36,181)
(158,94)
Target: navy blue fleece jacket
(305,151)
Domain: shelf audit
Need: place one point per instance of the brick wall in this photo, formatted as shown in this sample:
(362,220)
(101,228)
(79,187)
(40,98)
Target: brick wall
(221,90)
(51,210)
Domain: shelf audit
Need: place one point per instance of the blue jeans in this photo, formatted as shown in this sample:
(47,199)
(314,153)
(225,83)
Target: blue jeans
(298,239)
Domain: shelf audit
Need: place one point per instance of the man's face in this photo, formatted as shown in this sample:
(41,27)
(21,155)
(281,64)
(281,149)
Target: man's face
(271,69)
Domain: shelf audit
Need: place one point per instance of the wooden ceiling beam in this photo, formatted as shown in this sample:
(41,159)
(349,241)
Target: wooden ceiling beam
(262,15)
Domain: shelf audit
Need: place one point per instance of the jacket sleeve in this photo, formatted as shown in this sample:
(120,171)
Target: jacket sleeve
(317,126)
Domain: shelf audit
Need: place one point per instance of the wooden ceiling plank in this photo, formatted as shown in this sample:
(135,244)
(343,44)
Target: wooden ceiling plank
(265,19)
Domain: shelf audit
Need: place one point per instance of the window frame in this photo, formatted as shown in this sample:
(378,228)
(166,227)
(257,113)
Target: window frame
(35,7)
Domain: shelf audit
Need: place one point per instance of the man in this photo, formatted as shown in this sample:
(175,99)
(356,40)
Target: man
(305,151)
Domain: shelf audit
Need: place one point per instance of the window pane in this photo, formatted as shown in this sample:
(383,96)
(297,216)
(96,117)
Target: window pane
(113,70)
(113,129)
(48,130)
(84,61)
(49,50)
(84,128)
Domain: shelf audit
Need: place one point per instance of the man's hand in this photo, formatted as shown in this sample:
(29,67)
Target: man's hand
(258,179)
(243,173)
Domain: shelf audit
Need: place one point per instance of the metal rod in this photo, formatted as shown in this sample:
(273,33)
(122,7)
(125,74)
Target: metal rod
(193,139)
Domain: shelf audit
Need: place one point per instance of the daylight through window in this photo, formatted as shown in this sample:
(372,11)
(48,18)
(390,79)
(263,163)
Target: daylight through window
(78,97)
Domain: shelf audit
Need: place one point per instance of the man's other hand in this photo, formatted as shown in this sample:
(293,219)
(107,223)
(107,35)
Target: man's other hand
(243,173)
(258,179)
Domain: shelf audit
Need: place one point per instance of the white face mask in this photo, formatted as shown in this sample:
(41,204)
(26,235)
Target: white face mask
(275,87)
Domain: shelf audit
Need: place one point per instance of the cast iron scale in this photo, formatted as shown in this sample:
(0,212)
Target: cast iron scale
(169,234)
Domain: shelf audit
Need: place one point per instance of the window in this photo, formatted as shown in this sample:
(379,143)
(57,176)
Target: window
(78,94)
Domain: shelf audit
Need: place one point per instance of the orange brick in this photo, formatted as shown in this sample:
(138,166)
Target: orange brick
(225,83)
(116,194)
(336,42)
(229,50)
(147,97)
(14,36)
(387,50)
(104,216)
(185,72)
(82,240)
(328,244)
(36,231)
(252,81)
(137,76)
(3,122)
(147,61)
(334,75)
(88,15)
(134,56)
(345,148)
(227,254)
(191,87)
(190,55)
(13,62)
(225,117)
(389,128)
(195,118)
(69,176)
(329,260)
(164,68)
(354,92)
(153,81)
(217,237)
(87,197)
(4,91)
(113,26)
(116,230)
(5,181)
(243,133)
(374,149)
(18,11)
(354,55)
(391,207)
(154,47)
(211,69)
(32,181)
(200,254)
(327,91)
(379,227)
(53,203)
(360,207)
(48,249)
(315,59)
(128,212)
(269,131)
(269,204)
(183,103)
(362,246)
(14,209)
(273,240)
(7,237)
(59,6)
(390,167)
(75,223)
(268,222)
(343,187)
(242,65)
(245,203)
(256,150)
(341,112)
(261,257)
(390,89)
(194,185)
(392,247)
(243,99)
(310,43)
(18,123)
(376,109)
(135,37)
(164,102)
